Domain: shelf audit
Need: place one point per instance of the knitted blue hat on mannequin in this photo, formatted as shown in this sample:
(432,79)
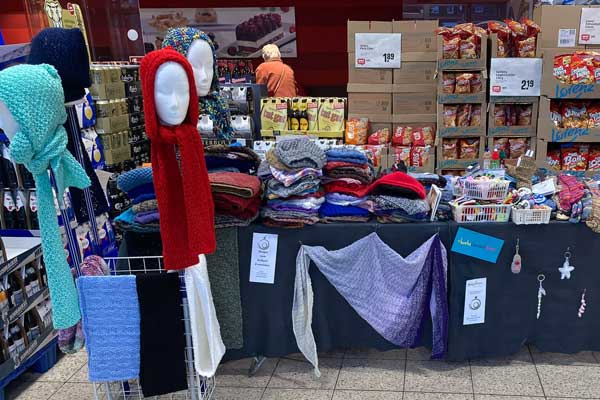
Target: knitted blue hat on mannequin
(66,51)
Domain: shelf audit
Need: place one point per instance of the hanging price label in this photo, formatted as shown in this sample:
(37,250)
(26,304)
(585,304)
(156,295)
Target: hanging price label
(515,76)
(378,50)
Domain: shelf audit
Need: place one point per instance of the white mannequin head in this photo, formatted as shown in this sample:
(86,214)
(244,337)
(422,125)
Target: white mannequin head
(171,93)
(200,55)
(7,121)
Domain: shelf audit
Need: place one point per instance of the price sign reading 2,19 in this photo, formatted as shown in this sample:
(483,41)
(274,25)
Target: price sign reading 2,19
(527,84)
(387,57)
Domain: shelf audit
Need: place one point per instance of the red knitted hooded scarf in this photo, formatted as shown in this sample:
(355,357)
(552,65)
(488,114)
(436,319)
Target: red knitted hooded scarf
(183,193)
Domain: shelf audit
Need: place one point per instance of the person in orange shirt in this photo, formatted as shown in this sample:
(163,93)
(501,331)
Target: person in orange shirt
(278,77)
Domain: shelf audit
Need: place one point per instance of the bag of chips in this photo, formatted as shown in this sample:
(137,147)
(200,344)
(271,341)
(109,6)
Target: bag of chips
(517,28)
(562,68)
(517,147)
(463,83)
(419,155)
(429,135)
(475,115)
(402,153)
(503,38)
(450,115)
(469,149)
(468,48)
(593,111)
(532,27)
(476,83)
(451,47)
(553,159)
(380,136)
(356,131)
(582,69)
(373,153)
(499,115)
(463,116)
(448,82)
(526,47)
(594,157)
(524,114)
(450,149)
(556,113)
(571,157)
(574,115)
(418,138)
(402,136)
(501,144)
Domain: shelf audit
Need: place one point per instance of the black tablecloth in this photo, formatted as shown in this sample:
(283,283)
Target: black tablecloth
(510,318)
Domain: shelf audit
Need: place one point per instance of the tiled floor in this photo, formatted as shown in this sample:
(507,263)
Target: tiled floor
(365,375)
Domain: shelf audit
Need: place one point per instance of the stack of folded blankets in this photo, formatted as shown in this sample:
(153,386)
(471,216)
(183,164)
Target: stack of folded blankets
(233,158)
(292,171)
(347,177)
(143,215)
(398,197)
(237,197)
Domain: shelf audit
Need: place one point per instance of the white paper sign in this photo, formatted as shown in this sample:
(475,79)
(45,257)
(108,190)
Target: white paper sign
(515,76)
(475,291)
(567,37)
(589,26)
(377,50)
(264,257)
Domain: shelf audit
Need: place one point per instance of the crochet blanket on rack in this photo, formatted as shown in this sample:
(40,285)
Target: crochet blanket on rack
(390,292)
(111,325)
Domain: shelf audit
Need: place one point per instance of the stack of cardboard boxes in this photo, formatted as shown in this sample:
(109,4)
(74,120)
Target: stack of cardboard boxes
(396,98)
(120,123)
(461,117)
(565,143)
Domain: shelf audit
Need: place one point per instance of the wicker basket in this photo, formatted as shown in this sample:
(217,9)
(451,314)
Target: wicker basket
(531,216)
(482,213)
(485,190)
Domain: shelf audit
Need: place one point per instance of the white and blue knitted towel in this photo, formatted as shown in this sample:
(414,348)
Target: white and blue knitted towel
(111,325)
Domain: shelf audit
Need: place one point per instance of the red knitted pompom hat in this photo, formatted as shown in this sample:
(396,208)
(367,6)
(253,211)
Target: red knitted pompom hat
(184,197)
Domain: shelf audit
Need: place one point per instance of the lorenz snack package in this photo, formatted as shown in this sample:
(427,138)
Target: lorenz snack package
(594,157)
(574,157)
(332,113)
(274,113)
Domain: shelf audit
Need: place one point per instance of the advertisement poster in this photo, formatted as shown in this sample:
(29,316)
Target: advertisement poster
(237,32)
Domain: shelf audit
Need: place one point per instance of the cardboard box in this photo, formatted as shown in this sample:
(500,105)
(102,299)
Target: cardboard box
(493,46)
(366,27)
(553,20)
(112,124)
(456,98)
(419,121)
(370,103)
(108,91)
(532,141)
(475,64)
(460,131)
(411,72)
(369,88)
(554,89)
(550,133)
(457,163)
(542,162)
(529,130)
(414,99)
(419,41)
(367,75)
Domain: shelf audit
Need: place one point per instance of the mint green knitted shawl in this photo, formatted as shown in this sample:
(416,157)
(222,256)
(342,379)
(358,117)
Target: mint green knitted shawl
(34,96)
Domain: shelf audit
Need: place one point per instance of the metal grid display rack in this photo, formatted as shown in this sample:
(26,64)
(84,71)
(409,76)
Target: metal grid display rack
(199,387)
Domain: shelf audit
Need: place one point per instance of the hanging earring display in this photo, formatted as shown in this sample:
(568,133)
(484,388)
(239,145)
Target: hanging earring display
(541,292)
(567,268)
(515,267)
(582,306)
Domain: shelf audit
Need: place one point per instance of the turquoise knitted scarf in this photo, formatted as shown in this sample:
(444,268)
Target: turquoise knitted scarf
(34,96)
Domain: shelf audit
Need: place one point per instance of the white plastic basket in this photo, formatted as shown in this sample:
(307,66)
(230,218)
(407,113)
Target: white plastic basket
(531,216)
(485,190)
(482,213)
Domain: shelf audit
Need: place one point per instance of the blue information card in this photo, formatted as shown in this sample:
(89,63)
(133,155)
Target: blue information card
(478,245)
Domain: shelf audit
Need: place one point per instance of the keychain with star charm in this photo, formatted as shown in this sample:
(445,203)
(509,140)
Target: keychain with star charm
(567,268)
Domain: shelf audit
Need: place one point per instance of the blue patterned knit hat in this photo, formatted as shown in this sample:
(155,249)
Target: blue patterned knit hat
(134,178)
(34,96)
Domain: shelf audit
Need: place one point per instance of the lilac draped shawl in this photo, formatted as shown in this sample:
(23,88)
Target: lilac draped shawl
(390,292)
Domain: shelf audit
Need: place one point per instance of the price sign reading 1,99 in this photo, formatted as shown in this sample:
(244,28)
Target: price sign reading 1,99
(378,50)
